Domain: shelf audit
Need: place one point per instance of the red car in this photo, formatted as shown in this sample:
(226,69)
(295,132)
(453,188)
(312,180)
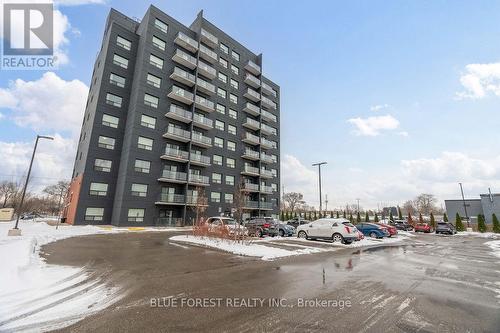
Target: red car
(360,235)
(423,227)
(392,230)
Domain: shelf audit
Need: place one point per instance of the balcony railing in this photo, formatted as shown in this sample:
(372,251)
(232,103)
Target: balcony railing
(267,102)
(266,115)
(171,198)
(266,205)
(252,80)
(250,154)
(266,173)
(207,54)
(204,104)
(182,76)
(177,134)
(268,89)
(186,42)
(268,129)
(175,176)
(251,109)
(206,70)
(252,95)
(250,138)
(203,122)
(199,159)
(169,222)
(179,113)
(266,158)
(251,123)
(202,140)
(208,38)
(205,86)
(198,179)
(175,154)
(266,143)
(248,169)
(250,187)
(252,67)
(266,189)
(251,204)
(181,95)
(185,59)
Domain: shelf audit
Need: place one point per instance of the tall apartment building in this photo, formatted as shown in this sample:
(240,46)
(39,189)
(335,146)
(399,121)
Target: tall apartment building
(174,114)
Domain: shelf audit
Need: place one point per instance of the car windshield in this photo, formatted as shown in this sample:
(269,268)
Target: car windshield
(229,221)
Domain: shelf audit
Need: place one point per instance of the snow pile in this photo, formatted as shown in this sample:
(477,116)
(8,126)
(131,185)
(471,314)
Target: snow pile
(495,247)
(490,235)
(245,248)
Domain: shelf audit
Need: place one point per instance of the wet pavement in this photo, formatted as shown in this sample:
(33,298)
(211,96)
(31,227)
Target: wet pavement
(426,283)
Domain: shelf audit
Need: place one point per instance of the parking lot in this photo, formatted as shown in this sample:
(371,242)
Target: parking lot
(426,283)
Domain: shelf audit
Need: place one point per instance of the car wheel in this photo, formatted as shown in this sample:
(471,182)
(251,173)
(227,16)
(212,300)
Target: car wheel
(302,234)
(373,234)
(282,233)
(258,233)
(347,242)
(337,238)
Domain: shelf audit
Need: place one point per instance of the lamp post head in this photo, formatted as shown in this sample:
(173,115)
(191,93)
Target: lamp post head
(45,137)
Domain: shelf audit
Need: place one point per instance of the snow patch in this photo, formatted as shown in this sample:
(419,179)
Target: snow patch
(490,235)
(495,247)
(404,304)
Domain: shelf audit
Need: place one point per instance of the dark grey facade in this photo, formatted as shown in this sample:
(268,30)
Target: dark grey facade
(175,114)
(487,205)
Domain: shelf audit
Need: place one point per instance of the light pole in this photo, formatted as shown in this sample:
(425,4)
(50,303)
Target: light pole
(16,231)
(465,206)
(319,173)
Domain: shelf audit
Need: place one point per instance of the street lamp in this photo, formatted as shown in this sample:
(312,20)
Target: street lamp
(16,231)
(319,173)
(465,206)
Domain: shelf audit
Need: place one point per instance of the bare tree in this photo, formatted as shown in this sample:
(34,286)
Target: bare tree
(239,199)
(293,199)
(8,190)
(425,203)
(200,204)
(408,208)
(57,192)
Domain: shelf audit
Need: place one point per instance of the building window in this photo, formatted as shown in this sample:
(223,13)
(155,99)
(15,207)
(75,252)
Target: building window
(230,162)
(233,114)
(219,142)
(113,100)
(120,61)
(159,43)
(139,190)
(110,121)
(231,129)
(135,215)
(233,98)
(222,77)
(153,80)
(161,25)
(274,172)
(215,196)
(98,189)
(221,92)
(235,55)
(230,180)
(231,145)
(142,166)
(145,143)
(217,160)
(102,165)
(235,69)
(219,125)
(224,48)
(151,101)
(123,43)
(155,61)
(221,109)
(94,214)
(117,80)
(228,198)
(148,121)
(274,187)
(106,142)
(223,62)
(216,178)
(234,84)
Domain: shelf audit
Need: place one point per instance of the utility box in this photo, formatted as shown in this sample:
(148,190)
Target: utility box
(6,214)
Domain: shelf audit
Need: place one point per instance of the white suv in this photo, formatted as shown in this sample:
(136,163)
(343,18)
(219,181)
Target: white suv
(337,230)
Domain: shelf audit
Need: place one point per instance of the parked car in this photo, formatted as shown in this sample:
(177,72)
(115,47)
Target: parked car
(30,216)
(296,221)
(360,235)
(285,230)
(401,225)
(445,228)
(226,224)
(391,229)
(373,230)
(423,227)
(337,230)
(262,226)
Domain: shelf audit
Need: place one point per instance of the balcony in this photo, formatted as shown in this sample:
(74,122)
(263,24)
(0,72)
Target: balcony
(267,89)
(199,180)
(173,177)
(250,154)
(266,158)
(266,173)
(266,189)
(182,76)
(177,134)
(181,95)
(250,171)
(184,59)
(267,102)
(179,114)
(252,81)
(192,200)
(198,159)
(206,70)
(251,204)
(170,199)
(268,116)
(169,222)
(252,67)
(186,42)
(204,104)
(252,95)
(250,139)
(209,39)
(266,205)
(201,140)
(205,86)
(267,143)
(207,54)
(177,155)
(251,123)
(250,187)
(251,109)
(269,130)
(203,122)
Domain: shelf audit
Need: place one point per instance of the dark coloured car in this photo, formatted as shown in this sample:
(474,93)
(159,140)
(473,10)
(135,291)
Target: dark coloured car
(285,230)
(423,227)
(401,225)
(297,221)
(372,230)
(262,226)
(445,228)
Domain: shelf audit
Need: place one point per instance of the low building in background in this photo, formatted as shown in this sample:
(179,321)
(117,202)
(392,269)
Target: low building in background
(487,205)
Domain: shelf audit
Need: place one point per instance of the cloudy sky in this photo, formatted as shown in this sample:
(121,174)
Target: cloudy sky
(399,97)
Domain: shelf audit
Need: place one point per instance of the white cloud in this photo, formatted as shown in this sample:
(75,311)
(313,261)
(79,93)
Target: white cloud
(296,177)
(403,133)
(373,126)
(379,107)
(479,80)
(49,103)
